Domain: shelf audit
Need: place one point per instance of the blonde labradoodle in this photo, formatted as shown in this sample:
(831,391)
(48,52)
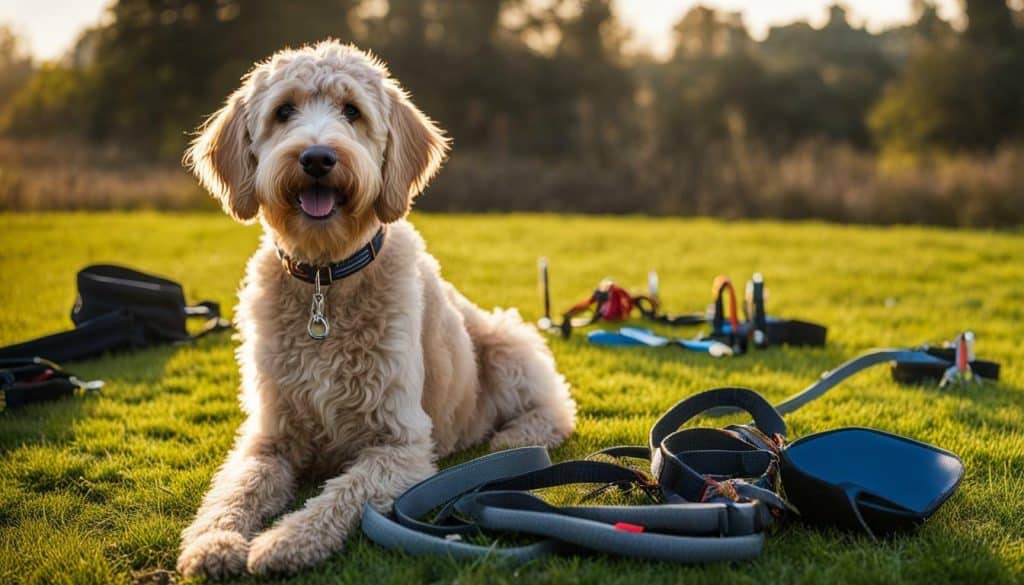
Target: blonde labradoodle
(325,150)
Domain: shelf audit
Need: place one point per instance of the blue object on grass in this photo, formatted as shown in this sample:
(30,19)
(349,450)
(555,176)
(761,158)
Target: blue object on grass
(634,336)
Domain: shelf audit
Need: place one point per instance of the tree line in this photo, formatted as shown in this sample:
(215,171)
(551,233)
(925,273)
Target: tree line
(545,96)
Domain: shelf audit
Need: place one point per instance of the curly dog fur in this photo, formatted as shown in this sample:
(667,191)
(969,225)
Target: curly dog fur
(411,369)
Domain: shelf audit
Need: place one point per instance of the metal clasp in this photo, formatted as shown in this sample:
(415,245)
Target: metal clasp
(318,327)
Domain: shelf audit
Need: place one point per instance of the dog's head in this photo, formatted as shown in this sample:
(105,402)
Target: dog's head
(322,145)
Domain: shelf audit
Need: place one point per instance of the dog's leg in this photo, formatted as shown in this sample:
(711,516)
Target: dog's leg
(534,427)
(302,538)
(520,382)
(255,482)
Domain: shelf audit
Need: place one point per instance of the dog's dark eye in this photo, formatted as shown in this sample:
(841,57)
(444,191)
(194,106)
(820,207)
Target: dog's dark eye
(284,112)
(350,112)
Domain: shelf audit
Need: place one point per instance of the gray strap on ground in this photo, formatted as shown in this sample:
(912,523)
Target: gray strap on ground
(589,527)
(412,536)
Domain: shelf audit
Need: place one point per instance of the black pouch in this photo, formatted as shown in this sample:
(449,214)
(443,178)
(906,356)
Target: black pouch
(119,308)
(865,479)
(795,332)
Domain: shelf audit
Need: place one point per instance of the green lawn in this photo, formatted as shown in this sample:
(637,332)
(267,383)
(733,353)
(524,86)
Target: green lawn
(96,489)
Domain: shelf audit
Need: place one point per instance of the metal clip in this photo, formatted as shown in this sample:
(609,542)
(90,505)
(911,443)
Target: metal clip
(87,385)
(318,327)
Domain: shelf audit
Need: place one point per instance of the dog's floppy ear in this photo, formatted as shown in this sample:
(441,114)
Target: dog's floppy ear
(222,161)
(415,150)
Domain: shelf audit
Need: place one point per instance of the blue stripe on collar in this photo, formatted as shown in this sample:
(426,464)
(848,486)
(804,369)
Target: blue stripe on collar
(335,270)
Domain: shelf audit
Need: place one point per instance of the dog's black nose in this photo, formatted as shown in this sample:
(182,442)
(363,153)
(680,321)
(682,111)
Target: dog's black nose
(317,160)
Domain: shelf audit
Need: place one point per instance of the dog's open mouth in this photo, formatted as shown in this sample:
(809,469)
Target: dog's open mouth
(319,201)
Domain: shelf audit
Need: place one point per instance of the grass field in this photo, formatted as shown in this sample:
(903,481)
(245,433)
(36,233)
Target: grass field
(96,489)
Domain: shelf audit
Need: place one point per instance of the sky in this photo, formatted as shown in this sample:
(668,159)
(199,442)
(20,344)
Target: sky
(51,26)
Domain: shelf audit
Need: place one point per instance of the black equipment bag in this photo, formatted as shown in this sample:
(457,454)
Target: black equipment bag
(119,308)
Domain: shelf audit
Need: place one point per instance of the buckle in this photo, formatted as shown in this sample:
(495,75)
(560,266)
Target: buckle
(325,273)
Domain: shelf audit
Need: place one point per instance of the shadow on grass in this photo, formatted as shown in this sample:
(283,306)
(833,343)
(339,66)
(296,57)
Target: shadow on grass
(130,378)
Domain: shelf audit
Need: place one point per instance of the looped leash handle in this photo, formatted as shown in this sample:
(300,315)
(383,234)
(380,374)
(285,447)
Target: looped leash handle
(766,418)
(736,337)
(406,532)
(710,465)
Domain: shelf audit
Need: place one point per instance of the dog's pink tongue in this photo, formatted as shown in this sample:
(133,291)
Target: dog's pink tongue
(317,202)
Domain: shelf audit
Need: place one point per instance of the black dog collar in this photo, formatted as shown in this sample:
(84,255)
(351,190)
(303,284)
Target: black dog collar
(336,270)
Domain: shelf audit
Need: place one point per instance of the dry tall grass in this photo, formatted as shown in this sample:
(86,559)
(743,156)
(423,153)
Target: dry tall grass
(43,175)
(815,180)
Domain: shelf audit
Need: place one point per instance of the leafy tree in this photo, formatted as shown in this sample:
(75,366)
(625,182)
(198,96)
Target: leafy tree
(966,95)
(15,64)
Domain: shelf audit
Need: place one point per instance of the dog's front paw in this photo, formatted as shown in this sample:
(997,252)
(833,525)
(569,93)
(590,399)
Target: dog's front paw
(286,549)
(217,554)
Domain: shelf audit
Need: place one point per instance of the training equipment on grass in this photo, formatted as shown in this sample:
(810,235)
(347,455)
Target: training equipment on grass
(866,479)
(714,492)
(951,364)
(717,490)
(633,336)
(26,381)
(758,328)
(610,302)
(117,309)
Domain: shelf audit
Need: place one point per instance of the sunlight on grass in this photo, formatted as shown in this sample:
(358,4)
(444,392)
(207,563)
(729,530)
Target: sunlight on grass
(97,489)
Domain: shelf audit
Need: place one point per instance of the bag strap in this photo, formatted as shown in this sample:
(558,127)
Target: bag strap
(108,332)
(735,332)
(211,311)
(112,331)
(767,420)
(648,307)
(704,519)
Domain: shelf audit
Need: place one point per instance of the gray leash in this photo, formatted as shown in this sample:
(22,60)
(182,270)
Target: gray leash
(598,528)
(407,533)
